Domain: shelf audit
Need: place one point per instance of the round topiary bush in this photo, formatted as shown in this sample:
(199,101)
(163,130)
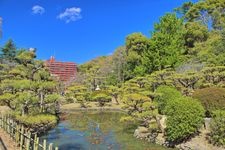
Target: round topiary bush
(212,98)
(165,95)
(101,97)
(185,117)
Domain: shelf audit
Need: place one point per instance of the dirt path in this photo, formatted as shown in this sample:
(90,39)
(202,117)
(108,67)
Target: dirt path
(7,141)
(200,143)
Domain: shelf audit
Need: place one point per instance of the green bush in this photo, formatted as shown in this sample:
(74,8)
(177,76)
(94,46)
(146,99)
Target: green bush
(166,94)
(35,120)
(185,117)
(101,97)
(217,134)
(212,98)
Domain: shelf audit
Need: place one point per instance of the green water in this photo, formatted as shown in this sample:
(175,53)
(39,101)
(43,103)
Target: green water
(96,131)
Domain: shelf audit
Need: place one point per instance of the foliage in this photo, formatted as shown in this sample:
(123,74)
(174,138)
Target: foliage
(118,64)
(166,45)
(165,95)
(162,77)
(211,51)
(35,120)
(217,134)
(195,32)
(187,82)
(207,11)
(8,52)
(136,99)
(114,92)
(78,93)
(26,85)
(6,98)
(136,44)
(185,117)
(102,97)
(212,98)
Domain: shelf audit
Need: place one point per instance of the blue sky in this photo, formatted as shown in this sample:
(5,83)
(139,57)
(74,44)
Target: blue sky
(78,30)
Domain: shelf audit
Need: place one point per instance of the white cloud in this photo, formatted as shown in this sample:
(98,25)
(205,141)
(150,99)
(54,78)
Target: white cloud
(70,14)
(38,9)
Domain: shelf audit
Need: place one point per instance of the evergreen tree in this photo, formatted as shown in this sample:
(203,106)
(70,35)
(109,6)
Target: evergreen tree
(166,45)
(8,51)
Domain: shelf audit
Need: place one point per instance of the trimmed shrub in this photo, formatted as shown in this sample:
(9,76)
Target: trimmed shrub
(217,125)
(36,120)
(212,98)
(101,97)
(166,94)
(185,117)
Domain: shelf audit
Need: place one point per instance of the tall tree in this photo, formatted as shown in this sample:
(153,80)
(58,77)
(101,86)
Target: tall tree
(28,85)
(184,8)
(195,32)
(209,12)
(136,44)
(118,61)
(8,51)
(166,45)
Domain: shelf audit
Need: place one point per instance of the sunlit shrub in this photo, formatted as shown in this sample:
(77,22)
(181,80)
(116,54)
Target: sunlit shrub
(166,94)
(36,120)
(185,117)
(101,97)
(212,98)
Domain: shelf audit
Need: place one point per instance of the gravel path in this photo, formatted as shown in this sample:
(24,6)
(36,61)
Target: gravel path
(8,142)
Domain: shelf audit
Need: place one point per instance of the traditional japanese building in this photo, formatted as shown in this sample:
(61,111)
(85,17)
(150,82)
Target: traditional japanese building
(64,71)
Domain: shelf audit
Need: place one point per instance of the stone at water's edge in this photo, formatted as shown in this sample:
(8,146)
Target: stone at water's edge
(162,122)
(160,139)
(141,133)
(144,134)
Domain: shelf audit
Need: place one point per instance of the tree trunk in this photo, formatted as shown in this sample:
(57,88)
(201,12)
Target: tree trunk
(42,101)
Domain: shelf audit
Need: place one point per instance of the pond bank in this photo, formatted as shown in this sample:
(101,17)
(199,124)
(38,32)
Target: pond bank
(67,108)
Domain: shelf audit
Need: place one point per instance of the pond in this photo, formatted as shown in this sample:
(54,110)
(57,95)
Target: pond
(96,131)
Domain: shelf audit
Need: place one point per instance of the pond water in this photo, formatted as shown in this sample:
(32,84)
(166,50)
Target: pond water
(96,131)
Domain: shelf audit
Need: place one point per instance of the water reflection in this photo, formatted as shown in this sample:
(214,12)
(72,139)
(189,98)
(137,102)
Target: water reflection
(95,131)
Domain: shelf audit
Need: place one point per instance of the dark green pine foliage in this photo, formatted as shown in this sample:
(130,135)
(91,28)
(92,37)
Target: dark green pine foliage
(166,45)
(8,51)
